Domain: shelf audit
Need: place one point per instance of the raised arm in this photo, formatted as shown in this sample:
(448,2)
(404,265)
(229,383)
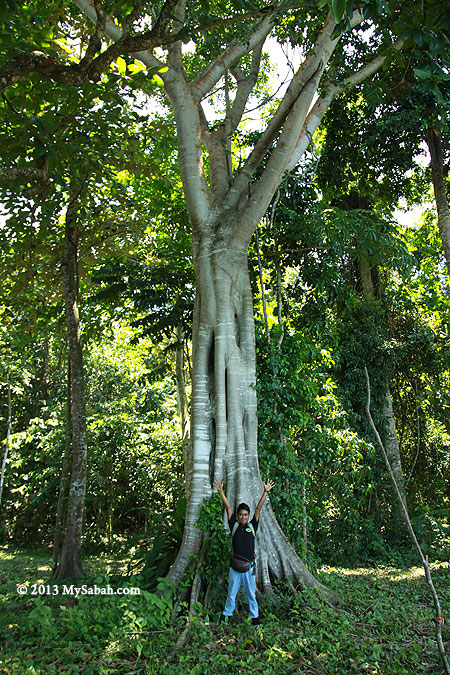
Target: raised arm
(267,488)
(219,485)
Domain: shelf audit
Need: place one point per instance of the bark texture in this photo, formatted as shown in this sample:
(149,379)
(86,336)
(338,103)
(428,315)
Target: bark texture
(8,435)
(183,405)
(71,565)
(224,420)
(63,479)
(440,193)
(392,447)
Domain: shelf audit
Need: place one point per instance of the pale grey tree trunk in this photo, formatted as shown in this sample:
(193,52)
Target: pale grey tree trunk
(7,443)
(63,479)
(440,194)
(183,405)
(70,564)
(224,421)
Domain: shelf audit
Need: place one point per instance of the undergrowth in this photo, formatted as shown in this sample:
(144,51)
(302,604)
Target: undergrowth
(386,627)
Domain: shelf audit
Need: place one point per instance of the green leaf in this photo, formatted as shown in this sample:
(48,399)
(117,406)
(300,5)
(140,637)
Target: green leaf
(337,31)
(157,81)
(422,73)
(122,65)
(338,9)
(136,67)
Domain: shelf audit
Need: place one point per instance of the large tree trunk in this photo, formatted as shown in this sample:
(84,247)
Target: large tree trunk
(71,565)
(440,194)
(224,421)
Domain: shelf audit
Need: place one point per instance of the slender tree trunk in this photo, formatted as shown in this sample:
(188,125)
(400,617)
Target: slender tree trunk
(63,479)
(439,619)
(110,510)
(440,194)
(390,436)
(304,517)
(224,421)
(71,565)
(8,436)
(391,444)
(44,386)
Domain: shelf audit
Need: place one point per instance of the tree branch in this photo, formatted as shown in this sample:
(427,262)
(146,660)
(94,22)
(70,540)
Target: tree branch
(175,53)
(322,104)
(38,177)
(189,136)
(320,54)
(264,189)
(95,42)
(204,82)
(245,86)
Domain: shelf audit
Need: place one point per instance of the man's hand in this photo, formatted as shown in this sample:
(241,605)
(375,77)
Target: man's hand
(269,485)
(267,488)
(218,484)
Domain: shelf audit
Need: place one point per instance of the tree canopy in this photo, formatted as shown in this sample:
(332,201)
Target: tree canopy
(200,262)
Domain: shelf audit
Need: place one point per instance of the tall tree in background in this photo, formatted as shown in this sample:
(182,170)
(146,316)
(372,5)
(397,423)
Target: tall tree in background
(434,142)
(70,564)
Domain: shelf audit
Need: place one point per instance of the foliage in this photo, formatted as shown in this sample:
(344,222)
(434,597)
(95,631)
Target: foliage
(217,550)
(300,633)
(135,463)
(153,552)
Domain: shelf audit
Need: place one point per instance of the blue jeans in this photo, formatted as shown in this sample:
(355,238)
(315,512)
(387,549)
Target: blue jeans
(235,579)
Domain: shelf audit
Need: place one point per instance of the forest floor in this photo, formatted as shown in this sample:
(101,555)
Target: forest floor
(386,628)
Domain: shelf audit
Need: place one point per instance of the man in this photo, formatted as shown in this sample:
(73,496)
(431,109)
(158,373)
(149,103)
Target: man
(242,565)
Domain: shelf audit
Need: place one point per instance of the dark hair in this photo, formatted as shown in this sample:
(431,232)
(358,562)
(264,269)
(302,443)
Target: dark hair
(243,507)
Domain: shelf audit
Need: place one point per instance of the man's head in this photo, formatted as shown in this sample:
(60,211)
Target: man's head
(243,513)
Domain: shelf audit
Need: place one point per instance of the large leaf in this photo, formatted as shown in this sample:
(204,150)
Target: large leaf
(338,9)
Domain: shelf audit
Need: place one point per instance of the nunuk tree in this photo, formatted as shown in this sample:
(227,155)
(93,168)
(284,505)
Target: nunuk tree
(228,192)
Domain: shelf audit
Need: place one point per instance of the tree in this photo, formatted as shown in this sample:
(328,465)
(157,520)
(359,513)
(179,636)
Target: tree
(70,564)
(440,194)
(227,195)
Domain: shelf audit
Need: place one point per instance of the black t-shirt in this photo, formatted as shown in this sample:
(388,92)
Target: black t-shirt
(243,539)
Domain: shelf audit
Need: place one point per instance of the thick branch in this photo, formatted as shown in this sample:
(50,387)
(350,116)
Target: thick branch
(30,62)
(175,53)
(95,42)
(41,184)
(245,85)
(322,104)
(27,173)
(91,68)
(189,127)
(138,46)
(204,82)
(319,56)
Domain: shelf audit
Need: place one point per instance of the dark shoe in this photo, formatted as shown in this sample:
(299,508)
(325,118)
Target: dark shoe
(256,622)
(223,618)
